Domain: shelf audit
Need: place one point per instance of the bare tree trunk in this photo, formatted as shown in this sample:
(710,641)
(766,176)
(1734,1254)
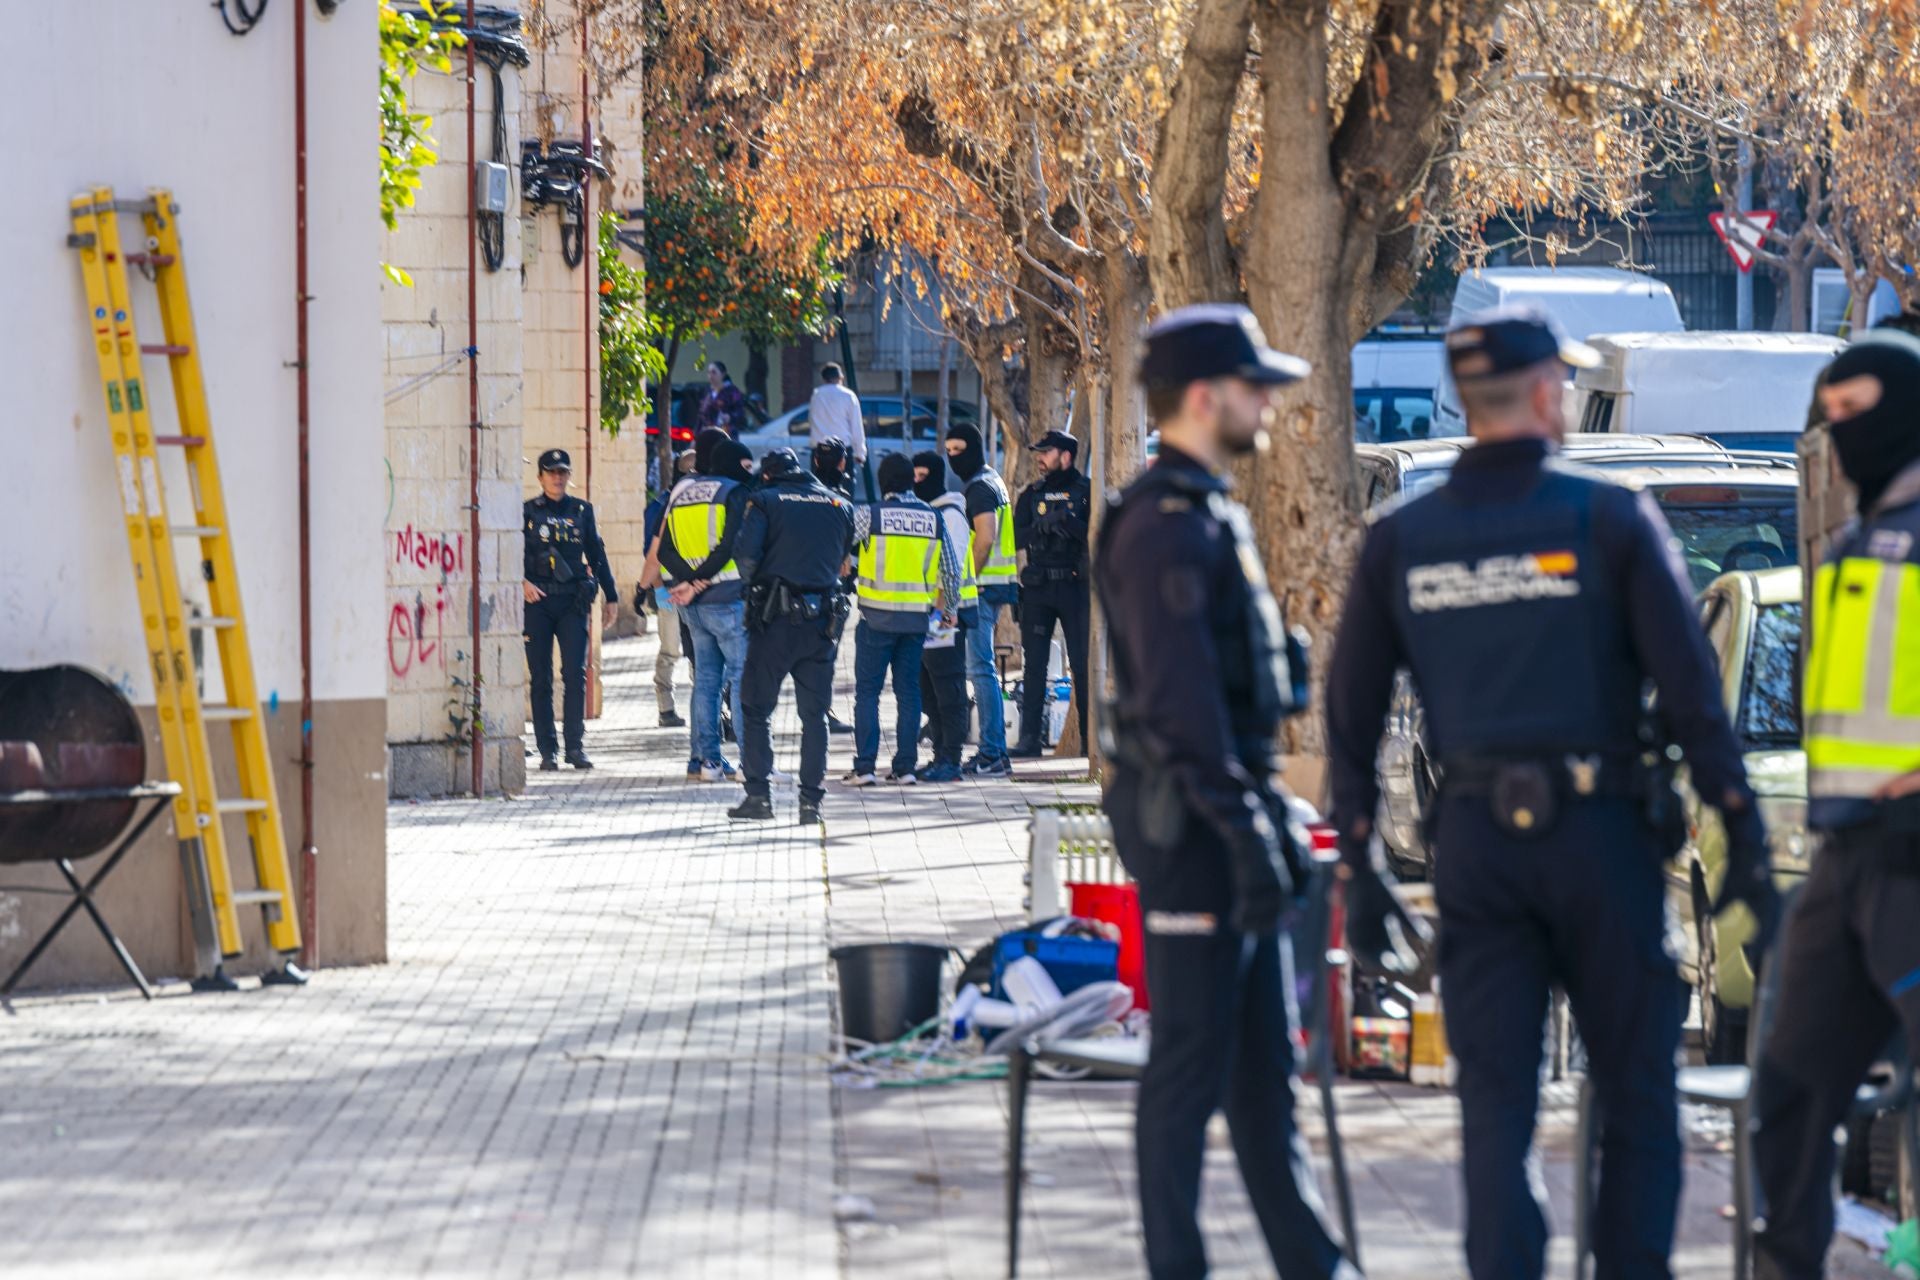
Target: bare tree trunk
(1124,298)
(1301,285)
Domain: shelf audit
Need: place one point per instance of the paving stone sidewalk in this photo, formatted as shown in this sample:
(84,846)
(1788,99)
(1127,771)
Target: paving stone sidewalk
(600,1049)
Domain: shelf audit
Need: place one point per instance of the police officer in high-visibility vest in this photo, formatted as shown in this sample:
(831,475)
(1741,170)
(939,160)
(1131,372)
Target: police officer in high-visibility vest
(1850,952)
(990,514)
(1532,603)
(904,578)
(1203,678)
(703,522)
(565,569)
(943,661)
(793,544)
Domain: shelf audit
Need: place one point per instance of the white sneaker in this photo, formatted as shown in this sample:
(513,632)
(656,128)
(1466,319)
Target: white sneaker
(901,780)
(712,773)
(860,780)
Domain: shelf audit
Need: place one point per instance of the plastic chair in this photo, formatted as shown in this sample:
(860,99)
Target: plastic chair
(1127,1059)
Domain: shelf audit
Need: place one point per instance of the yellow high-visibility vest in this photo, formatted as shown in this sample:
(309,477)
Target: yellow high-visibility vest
(899,567)
(697,520)
(1001,568)
(969,580)
(1862,691)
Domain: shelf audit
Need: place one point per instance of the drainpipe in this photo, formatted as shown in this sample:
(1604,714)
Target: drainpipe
(309,854)
(479,721)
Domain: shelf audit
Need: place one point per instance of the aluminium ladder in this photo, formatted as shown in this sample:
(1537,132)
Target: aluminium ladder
(200,811)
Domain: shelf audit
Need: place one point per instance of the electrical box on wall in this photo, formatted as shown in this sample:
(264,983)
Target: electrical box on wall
(490,187)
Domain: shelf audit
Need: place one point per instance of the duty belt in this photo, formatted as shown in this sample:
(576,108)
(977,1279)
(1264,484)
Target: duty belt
(1586,773)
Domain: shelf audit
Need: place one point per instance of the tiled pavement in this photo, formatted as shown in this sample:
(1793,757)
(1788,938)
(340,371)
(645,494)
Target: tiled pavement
(600,1050)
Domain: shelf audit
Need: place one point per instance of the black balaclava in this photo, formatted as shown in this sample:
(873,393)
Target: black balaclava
(934,487)
(829,459)
(1879,444)
(731,460)
(703,446)
(896,474)
(973,458)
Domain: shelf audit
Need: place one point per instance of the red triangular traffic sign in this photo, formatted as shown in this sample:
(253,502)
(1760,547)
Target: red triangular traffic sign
(1743,233)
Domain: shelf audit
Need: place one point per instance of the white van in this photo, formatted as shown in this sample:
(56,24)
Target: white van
(1396,379)
(1744,390)
(1585,300)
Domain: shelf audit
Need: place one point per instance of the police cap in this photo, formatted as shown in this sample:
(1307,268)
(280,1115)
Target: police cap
(556,460)
(1057,440)
(1214,340)
(1509,339)
(775,463)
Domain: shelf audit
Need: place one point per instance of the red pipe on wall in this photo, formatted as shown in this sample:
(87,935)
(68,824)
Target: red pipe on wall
(479,725)
(309,854)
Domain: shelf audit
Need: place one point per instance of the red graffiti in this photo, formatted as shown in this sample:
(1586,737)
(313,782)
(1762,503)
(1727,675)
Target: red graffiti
(427,550)
(409,643)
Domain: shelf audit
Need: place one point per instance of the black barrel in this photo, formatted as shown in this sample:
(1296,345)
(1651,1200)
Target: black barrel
(887,988)
(73,729)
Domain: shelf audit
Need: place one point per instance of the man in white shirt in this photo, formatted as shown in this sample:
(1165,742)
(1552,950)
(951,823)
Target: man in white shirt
(834,414)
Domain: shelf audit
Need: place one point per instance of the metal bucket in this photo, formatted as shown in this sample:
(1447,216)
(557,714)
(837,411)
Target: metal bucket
(75,730)
(887,988)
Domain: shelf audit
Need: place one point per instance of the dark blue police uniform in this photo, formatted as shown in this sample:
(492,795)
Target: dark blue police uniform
(566,560)
(1531,604)
(1050,523)
(793,542)
(1202,682)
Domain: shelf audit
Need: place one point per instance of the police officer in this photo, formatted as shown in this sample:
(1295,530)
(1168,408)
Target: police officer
(832,461)
(1532,603)
(792,548)
(1850,954)
(1050,523)
(1203,679)
(566,567)
(990,514)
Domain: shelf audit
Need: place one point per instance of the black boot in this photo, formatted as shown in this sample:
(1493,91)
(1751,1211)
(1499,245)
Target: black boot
(578,758)
(809,813)
(752,809)
(670,719)
(1027,749)
(549,764)
(836,725)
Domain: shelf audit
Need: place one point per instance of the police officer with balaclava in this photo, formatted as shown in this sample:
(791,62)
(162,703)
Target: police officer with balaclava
(1203,676)
(1050,524)
(1850,952)
(1533,604)
(990,515)
(565,571)
(793,544)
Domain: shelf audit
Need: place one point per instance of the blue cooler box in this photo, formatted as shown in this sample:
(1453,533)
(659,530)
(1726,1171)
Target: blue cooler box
(1072,963)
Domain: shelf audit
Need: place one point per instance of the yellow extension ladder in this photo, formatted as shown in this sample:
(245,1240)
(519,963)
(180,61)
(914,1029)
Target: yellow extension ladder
(200,811)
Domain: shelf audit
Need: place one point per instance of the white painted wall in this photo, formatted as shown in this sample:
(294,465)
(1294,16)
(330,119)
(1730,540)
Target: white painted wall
(137,93)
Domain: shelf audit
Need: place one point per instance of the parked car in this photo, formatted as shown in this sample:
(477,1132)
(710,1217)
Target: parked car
(1746,390)
(1396,377)
(683,412)
(882,417)
(1753,622)
(1728,510)
(1585,300)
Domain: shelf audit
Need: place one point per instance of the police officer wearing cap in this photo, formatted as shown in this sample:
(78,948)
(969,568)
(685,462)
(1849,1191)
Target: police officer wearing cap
(1203,678)
(1849,961)
(793,546)
(1534,605)
(565,568)
(1050,523)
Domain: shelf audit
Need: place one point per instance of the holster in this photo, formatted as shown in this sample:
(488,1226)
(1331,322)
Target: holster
(1161,805)
(1525,794)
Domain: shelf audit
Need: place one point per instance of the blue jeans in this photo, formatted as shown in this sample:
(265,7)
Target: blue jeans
(719,634)
(986,684)
(876,652)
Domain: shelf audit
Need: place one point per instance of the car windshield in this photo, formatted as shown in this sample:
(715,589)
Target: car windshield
(1720,530)
(1758,441)
(1769,709)
(1388,415)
